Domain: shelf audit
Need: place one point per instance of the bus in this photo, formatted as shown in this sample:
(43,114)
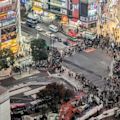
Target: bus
(31,20)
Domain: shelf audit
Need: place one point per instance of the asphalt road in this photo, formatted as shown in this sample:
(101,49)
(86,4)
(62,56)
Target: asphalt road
(34,32)
(93,65)
(41,77)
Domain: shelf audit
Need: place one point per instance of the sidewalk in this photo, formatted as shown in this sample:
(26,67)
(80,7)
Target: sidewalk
(25,74)
(111,68)
(71,80)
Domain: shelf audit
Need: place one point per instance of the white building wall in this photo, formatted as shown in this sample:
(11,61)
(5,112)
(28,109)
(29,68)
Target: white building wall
(4,104)
(5,110)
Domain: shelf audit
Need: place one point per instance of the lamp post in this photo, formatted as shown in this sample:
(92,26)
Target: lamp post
(37,35)
(19,21)
(52,43)
(99,13)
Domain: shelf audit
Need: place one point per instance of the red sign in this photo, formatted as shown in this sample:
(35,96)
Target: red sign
(6,8)
(75,1)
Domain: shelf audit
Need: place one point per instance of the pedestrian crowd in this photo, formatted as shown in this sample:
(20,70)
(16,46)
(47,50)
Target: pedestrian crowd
(116,68)
(111,92)
(110,47)
(110,95)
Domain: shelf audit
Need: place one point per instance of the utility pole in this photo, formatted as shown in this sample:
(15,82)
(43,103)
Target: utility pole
(52,45)
(99,12)
(19,22)
(37,36)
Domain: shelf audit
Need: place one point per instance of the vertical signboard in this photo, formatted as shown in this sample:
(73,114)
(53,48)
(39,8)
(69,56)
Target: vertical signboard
(23,1)
(75,9)
(0,36)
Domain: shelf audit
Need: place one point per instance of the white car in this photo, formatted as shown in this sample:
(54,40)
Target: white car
(53,28)
(38,27)
(23,22)
(50,34)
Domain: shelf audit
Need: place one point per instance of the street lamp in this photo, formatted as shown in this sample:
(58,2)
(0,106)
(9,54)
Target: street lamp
(99,14)
(52,43)
(37,35)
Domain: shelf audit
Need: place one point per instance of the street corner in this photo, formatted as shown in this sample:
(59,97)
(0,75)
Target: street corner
(89,50)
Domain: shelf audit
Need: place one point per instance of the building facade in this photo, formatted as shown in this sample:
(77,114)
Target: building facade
(4,104)
(88,13)
(55,6)
(9,24)
(83,10)
(110,21)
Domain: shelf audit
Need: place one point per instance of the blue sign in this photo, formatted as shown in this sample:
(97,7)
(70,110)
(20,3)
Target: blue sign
(23,1)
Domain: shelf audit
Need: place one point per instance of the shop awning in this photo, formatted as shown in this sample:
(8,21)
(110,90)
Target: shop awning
(73,43)
(74,20)
(38,9)
(89,35)
(56,4)
(72,33)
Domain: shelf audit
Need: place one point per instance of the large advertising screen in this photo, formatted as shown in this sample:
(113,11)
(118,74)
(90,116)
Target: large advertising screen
(92,9)
(8,33)
(8,15)
(84,9)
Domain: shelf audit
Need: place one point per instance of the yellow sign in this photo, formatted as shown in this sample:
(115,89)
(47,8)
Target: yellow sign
(3,16)
(15,48)
(9,43)
(64,19)
(35,8)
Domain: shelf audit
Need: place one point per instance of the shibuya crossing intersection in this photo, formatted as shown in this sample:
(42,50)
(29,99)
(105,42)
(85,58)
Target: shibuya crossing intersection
(59,59)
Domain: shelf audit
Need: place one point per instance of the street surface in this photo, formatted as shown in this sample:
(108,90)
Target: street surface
(19,88)
(93,65)
(41,77)
(34,32)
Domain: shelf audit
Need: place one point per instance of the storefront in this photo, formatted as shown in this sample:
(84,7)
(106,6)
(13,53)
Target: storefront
(8,26)
(50,8)
(39,6)
(58,6)
(9,38)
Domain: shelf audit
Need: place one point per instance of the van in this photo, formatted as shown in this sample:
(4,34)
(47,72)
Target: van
(53,28)
(31,23)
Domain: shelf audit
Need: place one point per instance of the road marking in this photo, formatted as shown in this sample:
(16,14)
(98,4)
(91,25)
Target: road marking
(89,50)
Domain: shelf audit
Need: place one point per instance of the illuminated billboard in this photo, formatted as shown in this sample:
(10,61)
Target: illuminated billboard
(92,9)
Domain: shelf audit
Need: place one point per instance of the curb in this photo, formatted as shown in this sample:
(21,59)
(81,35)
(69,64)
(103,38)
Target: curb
(18,77)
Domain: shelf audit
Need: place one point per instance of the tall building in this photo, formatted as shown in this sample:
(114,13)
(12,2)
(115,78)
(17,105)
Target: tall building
(88,12)
(82,10)
(9,24)
(39,5)
(110,21)
(58,6)
(55,6)
(4,104)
